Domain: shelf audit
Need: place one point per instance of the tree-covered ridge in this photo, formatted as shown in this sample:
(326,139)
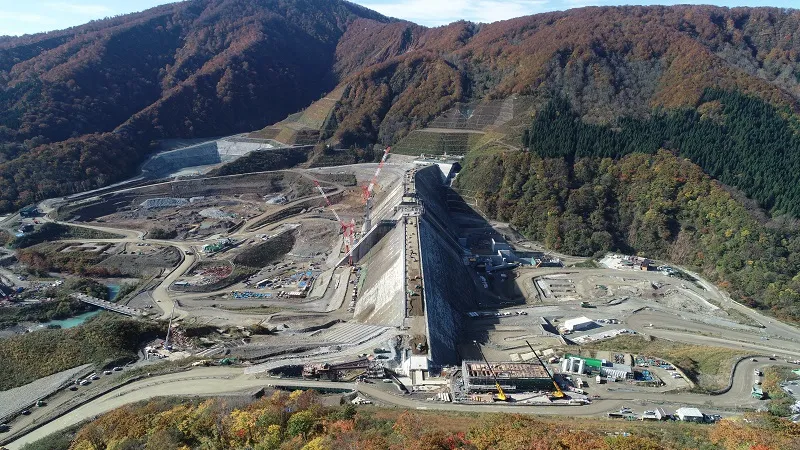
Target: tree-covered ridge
(610,62)
(103,340)
(79,108)
(739,140)
(299,421)
(656,205)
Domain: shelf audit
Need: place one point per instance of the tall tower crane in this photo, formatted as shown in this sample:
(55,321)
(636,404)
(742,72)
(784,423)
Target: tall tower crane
(368,192)
(500,394)
(348,229)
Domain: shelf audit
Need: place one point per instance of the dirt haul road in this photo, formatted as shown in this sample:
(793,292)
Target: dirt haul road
(215,381)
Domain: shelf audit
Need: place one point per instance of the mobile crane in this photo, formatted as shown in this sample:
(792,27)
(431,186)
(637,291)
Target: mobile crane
(500,394)
(558,392)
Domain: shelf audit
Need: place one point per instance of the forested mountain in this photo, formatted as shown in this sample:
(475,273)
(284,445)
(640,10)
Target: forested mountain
(740,140)
(659,206)
(80,108)
(609,62)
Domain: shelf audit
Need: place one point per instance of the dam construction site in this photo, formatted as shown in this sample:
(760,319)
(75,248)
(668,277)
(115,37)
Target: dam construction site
(378,280)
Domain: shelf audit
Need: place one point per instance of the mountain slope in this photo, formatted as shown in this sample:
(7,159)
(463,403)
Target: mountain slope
(612,65)
(610,62)
(92,98)
(232,54)
(658,206)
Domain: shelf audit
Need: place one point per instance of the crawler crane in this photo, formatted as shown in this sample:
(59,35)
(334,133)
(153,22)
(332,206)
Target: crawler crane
(558,392)
(501,396)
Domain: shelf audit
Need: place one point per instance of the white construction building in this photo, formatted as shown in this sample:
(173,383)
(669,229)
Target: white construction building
(690,415)
(416,368)
(573,365)
(579,324)
(656,414)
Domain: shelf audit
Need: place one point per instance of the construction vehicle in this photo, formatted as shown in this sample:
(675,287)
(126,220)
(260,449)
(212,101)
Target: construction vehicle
(758,393)
(501,396)
(558,393)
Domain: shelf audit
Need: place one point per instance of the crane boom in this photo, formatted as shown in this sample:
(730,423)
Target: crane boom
(371,186)
(348,229)
(559,393)
(330,206)
(500,394)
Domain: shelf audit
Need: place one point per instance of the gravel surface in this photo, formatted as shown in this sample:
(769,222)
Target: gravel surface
(13,400)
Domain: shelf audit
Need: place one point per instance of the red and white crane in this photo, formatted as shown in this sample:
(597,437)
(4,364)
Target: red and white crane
(368,192)
(348,229)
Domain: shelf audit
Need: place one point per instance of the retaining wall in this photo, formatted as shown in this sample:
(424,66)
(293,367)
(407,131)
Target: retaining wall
(203,154)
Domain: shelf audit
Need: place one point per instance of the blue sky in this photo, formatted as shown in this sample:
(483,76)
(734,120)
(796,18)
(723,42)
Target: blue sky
(32,16)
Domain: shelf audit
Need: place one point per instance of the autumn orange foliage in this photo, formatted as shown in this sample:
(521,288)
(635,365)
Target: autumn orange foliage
(275,422)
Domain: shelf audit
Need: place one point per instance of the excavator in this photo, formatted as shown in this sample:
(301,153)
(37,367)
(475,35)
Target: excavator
(501,396)
(558,393)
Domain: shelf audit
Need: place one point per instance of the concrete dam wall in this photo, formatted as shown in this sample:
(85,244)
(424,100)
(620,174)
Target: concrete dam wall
(449,293)
(448,288)
(382,300)
(430,187)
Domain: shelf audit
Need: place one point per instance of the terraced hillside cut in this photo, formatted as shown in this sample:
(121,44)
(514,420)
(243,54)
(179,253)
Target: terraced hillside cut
(305,127)
(466,127)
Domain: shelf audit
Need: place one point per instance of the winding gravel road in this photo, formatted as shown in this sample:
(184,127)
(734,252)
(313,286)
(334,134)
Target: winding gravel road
(783,339)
